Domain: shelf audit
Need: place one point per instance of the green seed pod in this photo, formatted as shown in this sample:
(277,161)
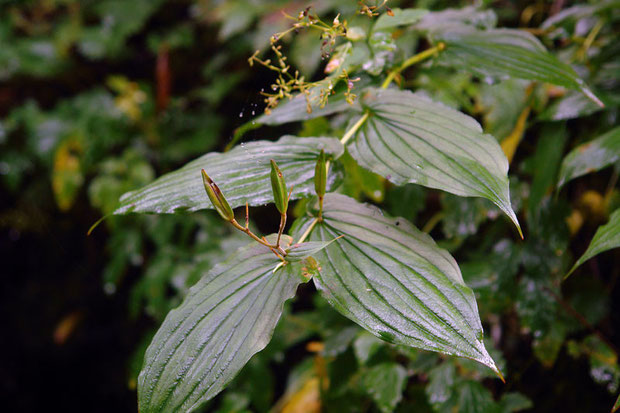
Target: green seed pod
(280,195)
(217,198)
(320,175)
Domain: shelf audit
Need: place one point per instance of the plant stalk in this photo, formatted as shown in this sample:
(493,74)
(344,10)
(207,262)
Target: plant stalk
(254,237)
(308,231)
(411,61)
(280,229)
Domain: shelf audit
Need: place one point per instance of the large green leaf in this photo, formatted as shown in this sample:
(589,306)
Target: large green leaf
(398,17)
(573,105)
(385,383)
(227,317)
(242,174)
(408,138)
(607,237)
(591,156)
(466,16)
(394,281)
(506,53)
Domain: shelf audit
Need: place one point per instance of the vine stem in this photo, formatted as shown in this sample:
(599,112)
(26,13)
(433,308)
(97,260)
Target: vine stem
(411,61)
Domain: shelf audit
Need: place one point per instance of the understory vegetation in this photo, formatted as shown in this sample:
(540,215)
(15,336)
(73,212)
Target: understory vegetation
(339,206)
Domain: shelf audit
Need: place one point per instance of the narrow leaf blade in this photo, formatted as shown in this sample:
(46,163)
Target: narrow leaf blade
(394,281)
(607,237)
(591,156)
(242,175)
(410,139)
(500,53)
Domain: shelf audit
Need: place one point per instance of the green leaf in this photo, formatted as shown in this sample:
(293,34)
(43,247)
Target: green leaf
(546,163)
(513,402)
(616,405)
(234,403)
(572,105)
(499,118)
(242,174)
(365,346)
(227,317)
(385,384)
(299,252)
(473,397)
(466,16)
(607,237)
(410,139)
(591,156)
(394,281)
(507,53)
(399,18)
(441,381)
(462,216)
(338,342)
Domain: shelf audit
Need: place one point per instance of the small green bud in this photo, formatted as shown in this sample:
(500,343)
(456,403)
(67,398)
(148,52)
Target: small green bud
(320,175)
(280,195)
(217,198)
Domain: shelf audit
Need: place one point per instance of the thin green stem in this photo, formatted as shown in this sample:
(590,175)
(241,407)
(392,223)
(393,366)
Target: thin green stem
(280,229)
(590,39)
(308,231)
(411,61)
(432,222)
(349,134)
(252,235)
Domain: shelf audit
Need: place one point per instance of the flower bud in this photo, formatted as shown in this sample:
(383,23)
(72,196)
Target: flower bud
(320,175)
(278,186)
(217,198)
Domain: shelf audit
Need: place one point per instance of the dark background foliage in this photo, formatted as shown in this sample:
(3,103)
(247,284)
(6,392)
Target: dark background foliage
(99,97)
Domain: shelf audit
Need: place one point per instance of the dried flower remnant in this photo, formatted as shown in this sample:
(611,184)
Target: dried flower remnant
(289,83)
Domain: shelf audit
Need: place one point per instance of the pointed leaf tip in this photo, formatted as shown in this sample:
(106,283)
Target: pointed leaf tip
(606,237)
(365,274)
(412,139)
(499,374)
(590,95)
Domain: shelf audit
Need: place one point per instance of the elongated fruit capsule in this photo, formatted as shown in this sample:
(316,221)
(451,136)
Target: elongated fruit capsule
(280,195)
(320,175)
(217,198)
